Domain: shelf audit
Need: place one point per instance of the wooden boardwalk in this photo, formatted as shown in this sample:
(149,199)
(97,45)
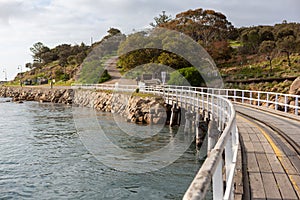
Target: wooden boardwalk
(272,165)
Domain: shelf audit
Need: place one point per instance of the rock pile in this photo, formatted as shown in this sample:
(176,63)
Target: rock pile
(63,96)
(295,87)
(133,108)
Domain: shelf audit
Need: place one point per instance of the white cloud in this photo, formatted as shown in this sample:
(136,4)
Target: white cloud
(53,22)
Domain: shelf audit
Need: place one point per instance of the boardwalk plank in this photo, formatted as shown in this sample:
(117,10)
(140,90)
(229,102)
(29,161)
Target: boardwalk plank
(258,148)
(296,162)
(252,163)
(285,186)
(288,166)
(267,148)
(270,185)
(273,174)
(296,181)
(249,147)
(239,190)
(254,138)
(256,186)
(263,163)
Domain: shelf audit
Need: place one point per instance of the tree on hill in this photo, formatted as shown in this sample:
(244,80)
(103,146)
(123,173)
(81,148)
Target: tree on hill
(284,35)
(287,45)
(268,48)
(204,26)
(207,27)
(147,47)
(161,19)
(38,50)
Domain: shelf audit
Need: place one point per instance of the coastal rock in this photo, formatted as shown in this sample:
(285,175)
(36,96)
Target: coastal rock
(295,87)
(62,96)
(132,108)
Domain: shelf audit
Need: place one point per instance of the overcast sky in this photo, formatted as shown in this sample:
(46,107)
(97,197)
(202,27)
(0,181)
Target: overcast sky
(54,22)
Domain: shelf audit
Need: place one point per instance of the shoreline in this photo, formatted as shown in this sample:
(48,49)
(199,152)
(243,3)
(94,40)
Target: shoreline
(133,108)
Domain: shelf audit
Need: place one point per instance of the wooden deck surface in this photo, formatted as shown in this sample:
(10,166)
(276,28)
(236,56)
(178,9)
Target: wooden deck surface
(272,166)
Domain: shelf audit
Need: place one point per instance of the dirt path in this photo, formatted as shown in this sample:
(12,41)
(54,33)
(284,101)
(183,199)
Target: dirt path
(111,66)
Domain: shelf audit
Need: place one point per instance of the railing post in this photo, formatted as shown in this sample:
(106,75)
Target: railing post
(268,99)
(220,108)
(250,97)
(176,96)
(207,101)
(181,98)
(218,182)
(258,99)
(243,95)
(276,102)
(202,95)
(234,94)
(212,106)
(285,103)
(229,155)
(185,99)
(223,114)
(296,105)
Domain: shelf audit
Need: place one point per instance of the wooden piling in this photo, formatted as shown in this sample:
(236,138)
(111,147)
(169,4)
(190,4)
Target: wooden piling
(174,121)
(188,120)
(201,128)
(213,134)
(152,113)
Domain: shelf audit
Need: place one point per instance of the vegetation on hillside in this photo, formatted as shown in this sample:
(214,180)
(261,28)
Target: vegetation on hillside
(256,52)
(240,53)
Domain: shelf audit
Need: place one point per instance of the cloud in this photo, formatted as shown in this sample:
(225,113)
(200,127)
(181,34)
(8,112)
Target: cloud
(7,9)
(53,22)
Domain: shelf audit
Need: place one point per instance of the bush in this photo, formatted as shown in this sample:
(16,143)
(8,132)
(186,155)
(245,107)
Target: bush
(186,76)
(104,77)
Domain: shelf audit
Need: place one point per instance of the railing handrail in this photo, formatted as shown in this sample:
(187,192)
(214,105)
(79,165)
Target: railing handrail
(112,86)
(228,140)
(221,109)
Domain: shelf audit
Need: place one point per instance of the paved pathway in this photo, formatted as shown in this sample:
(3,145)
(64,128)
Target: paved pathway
(272,165)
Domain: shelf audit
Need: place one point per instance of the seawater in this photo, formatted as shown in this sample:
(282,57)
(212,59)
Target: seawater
(42,157)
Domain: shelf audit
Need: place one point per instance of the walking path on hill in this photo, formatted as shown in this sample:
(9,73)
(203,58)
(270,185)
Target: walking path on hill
(116,76)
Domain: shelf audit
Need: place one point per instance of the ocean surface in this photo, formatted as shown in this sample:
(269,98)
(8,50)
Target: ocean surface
(42,156)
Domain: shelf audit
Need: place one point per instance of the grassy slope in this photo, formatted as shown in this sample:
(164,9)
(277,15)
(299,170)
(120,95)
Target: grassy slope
(261,70)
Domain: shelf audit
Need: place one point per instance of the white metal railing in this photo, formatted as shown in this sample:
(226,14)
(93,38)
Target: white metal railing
(222,111)
(277,101)
(216,102)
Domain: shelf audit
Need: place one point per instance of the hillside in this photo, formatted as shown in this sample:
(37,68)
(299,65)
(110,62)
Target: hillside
(265,55)
(257,75)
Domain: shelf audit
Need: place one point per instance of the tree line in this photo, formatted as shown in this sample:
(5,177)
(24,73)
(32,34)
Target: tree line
(65,54)
(226,44)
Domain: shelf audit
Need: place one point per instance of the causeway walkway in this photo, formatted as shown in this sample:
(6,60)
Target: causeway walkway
(271,162)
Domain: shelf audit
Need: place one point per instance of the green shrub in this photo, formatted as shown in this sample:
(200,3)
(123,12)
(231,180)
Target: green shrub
(104,77)
(186,76)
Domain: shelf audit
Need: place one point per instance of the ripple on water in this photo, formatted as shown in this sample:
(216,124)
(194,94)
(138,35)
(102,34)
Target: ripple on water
(42,157)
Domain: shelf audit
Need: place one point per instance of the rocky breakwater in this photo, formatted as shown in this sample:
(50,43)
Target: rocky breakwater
(62,96)
(133,108)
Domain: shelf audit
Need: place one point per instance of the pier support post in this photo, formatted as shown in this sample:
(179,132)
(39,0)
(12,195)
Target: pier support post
(213,134)
(179,116)
(174,116)
(201,128)
(152,113)
(188,121)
